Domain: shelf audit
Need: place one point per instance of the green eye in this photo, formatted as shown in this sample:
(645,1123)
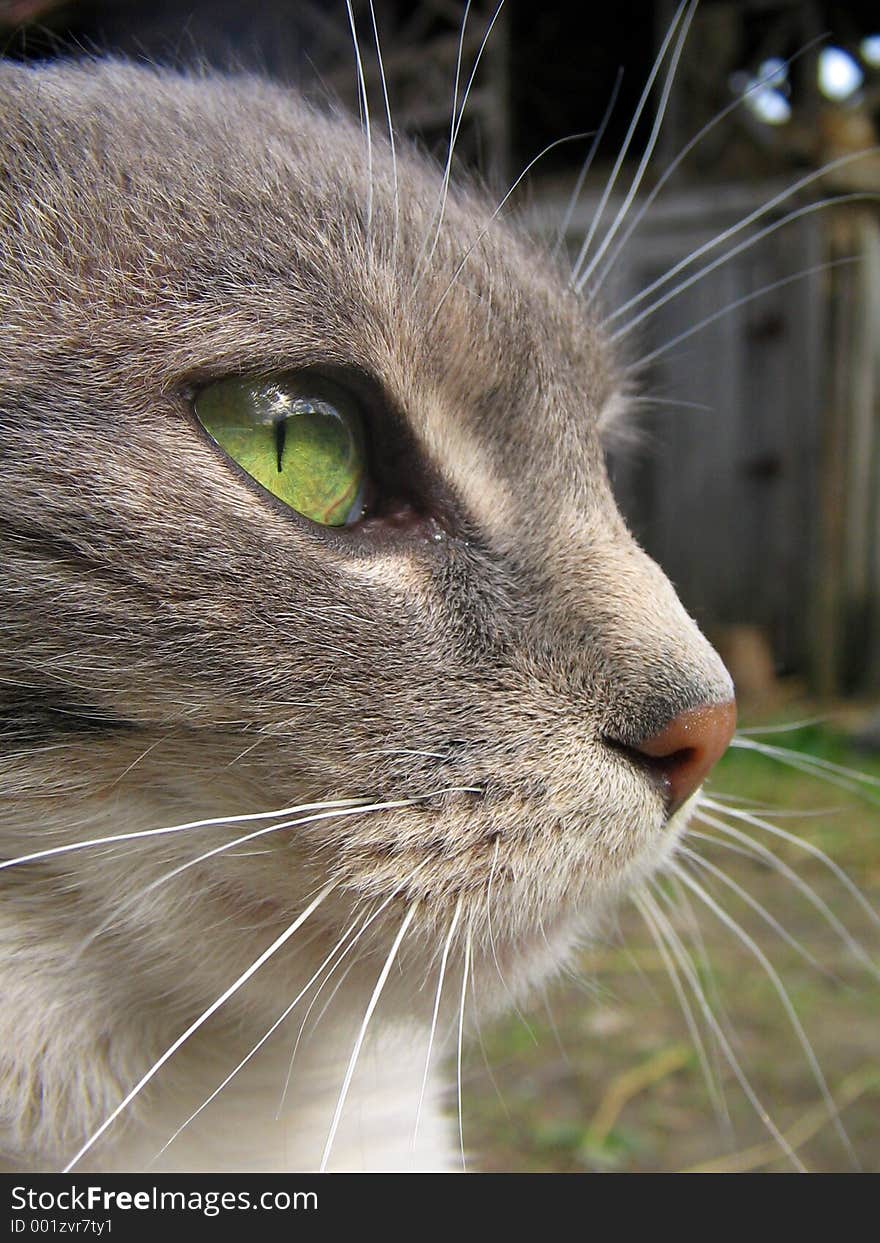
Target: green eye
(300,437)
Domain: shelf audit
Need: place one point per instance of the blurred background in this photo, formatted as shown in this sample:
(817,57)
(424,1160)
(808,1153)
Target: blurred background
(744,280)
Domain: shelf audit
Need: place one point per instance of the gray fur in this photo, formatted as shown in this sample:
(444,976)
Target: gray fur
(174,644)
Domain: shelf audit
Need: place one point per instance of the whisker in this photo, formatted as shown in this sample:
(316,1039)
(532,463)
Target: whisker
(648,400)
(510,995)
(256,1048)
(444,189)
(554,1026)
(814,761)
(348,949)
(738,302)
(433,755)
(799,1133)
(744,223)
(609,185)
(751,848)
(437,214)
(365,113)
(484,1053)
(754,905)
(355,1053)
(774,830)
(134,898)
(710,1076)
(760,808)
(713,993)
(649,148)
(200,1021)
(682,155)
(486,227)
(587,165)
(387,101)
(786,728)
(731,924)
(305,1019)
(663,933)
(440,978)
(464,983)
(177,828)
(807,210)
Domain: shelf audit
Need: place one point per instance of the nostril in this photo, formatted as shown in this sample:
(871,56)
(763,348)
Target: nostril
(680,755)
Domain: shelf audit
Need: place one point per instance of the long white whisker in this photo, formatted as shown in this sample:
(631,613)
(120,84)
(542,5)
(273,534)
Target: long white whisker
(472,77)
(815,761)
(387,101)
(712,1081)
(705,897)
(587,165)
(554,1026)
(758,851)
(365,107)
(437,213)
(440,978)
(200,1021)
(649,148)
(464,984)
(685,907)
(487,226)
(732,306)
(305,1018)
(758,822)
(339,956)
(179,828)
(457,121)
(288,1077)
(752,903)
(650,400)
(484,1053)
(807,210)
(682,155)
(355,1053)
(788,727)
(744,223)
(609,185)
(132,899)
(256,1048)
(664,932)
(519,1014)
(353,944)
(326,1006)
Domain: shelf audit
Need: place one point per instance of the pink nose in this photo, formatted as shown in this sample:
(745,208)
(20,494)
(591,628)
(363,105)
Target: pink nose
(682,753)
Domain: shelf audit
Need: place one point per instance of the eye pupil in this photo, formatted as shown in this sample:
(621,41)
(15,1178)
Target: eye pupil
(280,436)
(299,436)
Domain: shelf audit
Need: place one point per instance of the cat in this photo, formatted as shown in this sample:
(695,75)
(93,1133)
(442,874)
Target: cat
(329,671)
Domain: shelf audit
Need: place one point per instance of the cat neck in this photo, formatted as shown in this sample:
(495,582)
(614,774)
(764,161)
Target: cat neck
(134,1017)
(248,1127)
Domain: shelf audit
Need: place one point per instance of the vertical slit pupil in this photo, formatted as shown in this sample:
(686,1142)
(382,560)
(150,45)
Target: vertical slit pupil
(280,435)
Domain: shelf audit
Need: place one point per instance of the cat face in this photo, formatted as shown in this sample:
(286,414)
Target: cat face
(485,652)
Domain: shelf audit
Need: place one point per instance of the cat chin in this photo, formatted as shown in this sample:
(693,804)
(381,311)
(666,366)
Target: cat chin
(509,970)
(561,938)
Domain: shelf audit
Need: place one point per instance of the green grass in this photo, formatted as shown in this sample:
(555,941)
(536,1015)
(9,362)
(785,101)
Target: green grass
(612,1081)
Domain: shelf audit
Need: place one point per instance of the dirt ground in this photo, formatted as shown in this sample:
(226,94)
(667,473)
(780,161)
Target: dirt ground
(605,1075)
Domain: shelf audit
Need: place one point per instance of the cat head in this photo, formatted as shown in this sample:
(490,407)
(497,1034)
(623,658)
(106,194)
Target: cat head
(477,645)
